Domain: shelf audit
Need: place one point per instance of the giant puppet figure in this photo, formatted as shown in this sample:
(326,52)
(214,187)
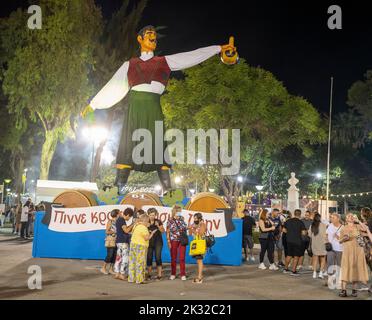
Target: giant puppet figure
(144,79)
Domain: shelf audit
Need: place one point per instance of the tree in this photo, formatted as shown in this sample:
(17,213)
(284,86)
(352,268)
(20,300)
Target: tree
(46,71)
(17,144)
(355,126)
(213,95)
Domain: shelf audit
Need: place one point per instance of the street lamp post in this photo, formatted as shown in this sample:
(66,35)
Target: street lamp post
(259,189)
(6,182)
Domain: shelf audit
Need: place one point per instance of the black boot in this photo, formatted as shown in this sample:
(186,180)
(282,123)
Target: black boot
(122,176)
(165,180)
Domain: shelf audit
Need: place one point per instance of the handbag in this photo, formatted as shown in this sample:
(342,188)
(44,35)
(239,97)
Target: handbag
(328,245)
(198,246)
(210,240)
(184,239)
(309,249)
(110,241)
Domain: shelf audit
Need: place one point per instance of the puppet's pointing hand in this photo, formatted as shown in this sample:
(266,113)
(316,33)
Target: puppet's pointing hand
(88,113)
(229,55)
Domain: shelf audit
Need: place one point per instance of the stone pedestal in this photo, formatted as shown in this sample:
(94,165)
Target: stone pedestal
(293,194)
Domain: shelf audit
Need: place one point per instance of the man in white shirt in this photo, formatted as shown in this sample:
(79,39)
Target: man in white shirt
(145,79)
(24,220)
(334,256)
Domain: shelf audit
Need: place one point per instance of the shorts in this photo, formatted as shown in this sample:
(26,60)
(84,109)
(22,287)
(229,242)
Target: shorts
(279,243)
(198,257)
(248,241)
(295,250)
(333,259)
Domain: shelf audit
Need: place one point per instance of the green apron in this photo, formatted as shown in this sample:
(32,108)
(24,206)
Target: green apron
(143,110)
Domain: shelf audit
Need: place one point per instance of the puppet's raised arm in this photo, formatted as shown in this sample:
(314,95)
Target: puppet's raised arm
(189,59)
(115,90)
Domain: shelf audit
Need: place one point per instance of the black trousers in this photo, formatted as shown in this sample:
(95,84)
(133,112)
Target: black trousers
(111,255)
(24,229)
(155,249)
(267,245)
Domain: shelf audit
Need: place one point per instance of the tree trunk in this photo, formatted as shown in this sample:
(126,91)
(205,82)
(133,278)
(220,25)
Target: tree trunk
(97,160)
(17,167)
(47,152)
(98,156)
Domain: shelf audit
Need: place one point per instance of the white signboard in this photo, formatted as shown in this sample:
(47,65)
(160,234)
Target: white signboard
(82,219)
(95,218)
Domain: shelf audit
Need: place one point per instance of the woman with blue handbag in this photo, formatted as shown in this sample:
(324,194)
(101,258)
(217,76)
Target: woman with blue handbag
(198,230)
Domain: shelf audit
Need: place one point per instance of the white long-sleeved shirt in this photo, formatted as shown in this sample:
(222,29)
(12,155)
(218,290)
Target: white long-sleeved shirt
(117,88)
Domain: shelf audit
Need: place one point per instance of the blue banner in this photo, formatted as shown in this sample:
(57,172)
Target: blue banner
(90,245)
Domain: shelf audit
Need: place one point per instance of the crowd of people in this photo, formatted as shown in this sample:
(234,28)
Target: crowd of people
(335,248)
(21,217)
(134,240)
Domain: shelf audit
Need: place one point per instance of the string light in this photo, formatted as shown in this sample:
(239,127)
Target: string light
(361,194)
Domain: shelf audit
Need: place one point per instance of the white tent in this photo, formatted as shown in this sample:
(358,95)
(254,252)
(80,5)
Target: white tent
(47,190)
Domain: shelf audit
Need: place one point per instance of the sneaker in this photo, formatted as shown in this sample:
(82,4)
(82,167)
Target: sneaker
(172,277)
(299,268)
(183,278)
(247,259)
(363,287)
(262,266)
(314,275)
(252,259)
(294,274)
(320,276)
(286,271)
(273,267)
(281,264)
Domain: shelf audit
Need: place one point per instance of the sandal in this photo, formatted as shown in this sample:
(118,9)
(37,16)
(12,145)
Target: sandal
(198,280)
(342,294)
(354,293)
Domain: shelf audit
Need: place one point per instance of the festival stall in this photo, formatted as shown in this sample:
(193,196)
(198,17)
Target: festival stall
(79,232)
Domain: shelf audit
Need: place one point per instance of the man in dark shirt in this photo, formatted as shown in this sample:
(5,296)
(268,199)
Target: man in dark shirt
(278,222)
(248,224)
(307,220)
(294,229)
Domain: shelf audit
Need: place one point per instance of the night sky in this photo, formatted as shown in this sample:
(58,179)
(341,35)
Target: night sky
(289,38)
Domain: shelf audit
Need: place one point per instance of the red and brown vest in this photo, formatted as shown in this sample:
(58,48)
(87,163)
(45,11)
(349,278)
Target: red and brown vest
(154,69)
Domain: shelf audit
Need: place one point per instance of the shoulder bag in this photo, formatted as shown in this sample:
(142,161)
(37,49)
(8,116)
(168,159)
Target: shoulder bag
(110,240)
(328,245)
(198,246)
(184,239)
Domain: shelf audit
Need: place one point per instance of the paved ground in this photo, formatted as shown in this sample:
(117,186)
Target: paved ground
(81,279)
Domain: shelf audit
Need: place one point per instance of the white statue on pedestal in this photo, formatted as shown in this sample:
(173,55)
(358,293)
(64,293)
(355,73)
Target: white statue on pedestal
(293,194)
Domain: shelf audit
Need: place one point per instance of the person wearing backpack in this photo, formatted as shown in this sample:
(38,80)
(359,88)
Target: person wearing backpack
(198,229)
(177,241)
